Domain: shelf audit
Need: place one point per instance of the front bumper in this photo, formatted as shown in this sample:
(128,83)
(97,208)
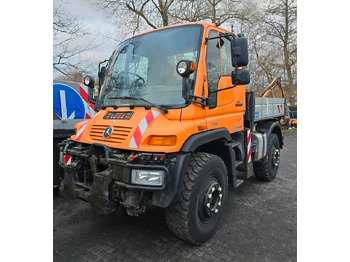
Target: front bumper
(108,187)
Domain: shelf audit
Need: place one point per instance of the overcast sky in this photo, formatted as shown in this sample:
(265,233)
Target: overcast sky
(96,23)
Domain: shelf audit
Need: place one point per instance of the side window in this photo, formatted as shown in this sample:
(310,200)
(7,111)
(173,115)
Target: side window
(226,57)
(213,68)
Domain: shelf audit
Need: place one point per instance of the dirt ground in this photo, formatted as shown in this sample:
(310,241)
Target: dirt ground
(260,224)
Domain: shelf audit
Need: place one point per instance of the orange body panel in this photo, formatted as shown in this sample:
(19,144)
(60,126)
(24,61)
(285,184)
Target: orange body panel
(181,122)
(124,130)
(230,108)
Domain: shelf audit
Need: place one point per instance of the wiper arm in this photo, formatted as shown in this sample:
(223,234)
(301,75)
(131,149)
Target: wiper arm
(160,107)
(105,106)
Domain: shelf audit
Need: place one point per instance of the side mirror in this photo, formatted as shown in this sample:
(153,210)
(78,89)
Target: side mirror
(102,75)
(240,77)
(89,81)
(239,51)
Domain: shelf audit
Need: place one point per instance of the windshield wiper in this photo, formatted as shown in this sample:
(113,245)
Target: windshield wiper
(160,107)
(105,106)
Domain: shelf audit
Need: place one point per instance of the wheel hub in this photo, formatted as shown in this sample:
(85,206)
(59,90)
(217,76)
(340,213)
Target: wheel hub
(212,202)
(276,157)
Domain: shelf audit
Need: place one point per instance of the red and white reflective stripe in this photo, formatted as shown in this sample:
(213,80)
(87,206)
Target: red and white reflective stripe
(249,147)
(80,131)
(279,108)
(141,128)
(89,108)
(67,160)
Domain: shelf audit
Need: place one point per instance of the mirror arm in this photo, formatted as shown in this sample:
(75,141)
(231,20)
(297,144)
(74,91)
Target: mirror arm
(99,65)
(203,102)
(216,37)
(185,88)
(215,91)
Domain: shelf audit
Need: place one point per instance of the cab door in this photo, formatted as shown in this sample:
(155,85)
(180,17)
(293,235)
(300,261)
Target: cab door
(226,108)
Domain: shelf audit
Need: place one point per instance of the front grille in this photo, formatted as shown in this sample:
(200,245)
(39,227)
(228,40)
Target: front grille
(119,134)
(125,115)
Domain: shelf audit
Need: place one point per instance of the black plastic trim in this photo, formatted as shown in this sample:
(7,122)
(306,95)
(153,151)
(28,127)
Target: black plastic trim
(173,187)
(199,139)
(271,127)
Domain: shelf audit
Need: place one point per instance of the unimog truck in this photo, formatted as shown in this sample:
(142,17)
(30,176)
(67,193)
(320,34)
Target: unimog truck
(175,128)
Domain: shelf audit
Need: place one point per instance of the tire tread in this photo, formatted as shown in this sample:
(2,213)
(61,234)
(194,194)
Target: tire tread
(177,216)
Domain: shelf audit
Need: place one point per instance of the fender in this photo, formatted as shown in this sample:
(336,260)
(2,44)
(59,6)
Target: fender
(196,140)
(271,127)
(226,152)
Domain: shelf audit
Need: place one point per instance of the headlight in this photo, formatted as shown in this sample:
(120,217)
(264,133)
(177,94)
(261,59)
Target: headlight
(182,67)
(186,67)
(87,80)
(147,177)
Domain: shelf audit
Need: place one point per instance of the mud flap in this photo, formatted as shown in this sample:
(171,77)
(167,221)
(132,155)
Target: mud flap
(249,169)
(245,174)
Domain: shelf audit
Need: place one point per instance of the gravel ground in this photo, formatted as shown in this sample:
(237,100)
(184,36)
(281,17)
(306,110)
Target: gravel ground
(260,224)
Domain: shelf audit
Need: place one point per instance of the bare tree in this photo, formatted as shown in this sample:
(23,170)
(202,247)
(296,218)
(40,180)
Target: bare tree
(189,11)
(205,10)
(71,74)
(222,10)
(271,32)
(137,13)
(157,13)
(70,42)
(270,26)
(281,23)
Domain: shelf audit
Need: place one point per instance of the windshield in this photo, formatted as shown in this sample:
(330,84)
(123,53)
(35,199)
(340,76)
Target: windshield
(144,67)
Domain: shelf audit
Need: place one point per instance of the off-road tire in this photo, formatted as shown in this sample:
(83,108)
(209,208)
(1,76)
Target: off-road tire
(266,169)
(190,217)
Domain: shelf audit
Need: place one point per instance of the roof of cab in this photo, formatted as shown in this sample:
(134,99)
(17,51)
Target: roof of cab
(205,24)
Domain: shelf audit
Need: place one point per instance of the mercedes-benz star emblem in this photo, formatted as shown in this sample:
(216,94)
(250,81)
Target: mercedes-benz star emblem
(108,131)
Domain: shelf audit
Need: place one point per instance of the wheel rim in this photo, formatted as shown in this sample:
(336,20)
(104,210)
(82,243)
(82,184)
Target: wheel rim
(210,203)
(275,157)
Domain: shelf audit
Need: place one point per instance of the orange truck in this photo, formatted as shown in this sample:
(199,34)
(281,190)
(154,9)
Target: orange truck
(175,128)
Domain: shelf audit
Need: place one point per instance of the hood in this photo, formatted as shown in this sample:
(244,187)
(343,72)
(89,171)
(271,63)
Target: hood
(124,128)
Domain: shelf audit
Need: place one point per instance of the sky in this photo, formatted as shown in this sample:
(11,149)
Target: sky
(98,25)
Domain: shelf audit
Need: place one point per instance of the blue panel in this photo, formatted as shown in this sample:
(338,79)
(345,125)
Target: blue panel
(74,102)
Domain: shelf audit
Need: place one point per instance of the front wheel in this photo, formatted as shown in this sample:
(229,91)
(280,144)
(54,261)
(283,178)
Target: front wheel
(198,210)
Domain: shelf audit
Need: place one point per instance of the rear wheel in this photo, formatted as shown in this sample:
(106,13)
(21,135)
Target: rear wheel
(198,210)
(266,169)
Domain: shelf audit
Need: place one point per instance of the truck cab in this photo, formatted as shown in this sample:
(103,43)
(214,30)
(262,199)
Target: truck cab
(175,127)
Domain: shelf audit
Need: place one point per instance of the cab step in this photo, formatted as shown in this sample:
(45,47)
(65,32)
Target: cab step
(238,163)
(244,172)
(239,182)
(241,175)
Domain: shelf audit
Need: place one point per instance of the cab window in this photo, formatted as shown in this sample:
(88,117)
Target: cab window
(213,68)
(218,64)
(226,62)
